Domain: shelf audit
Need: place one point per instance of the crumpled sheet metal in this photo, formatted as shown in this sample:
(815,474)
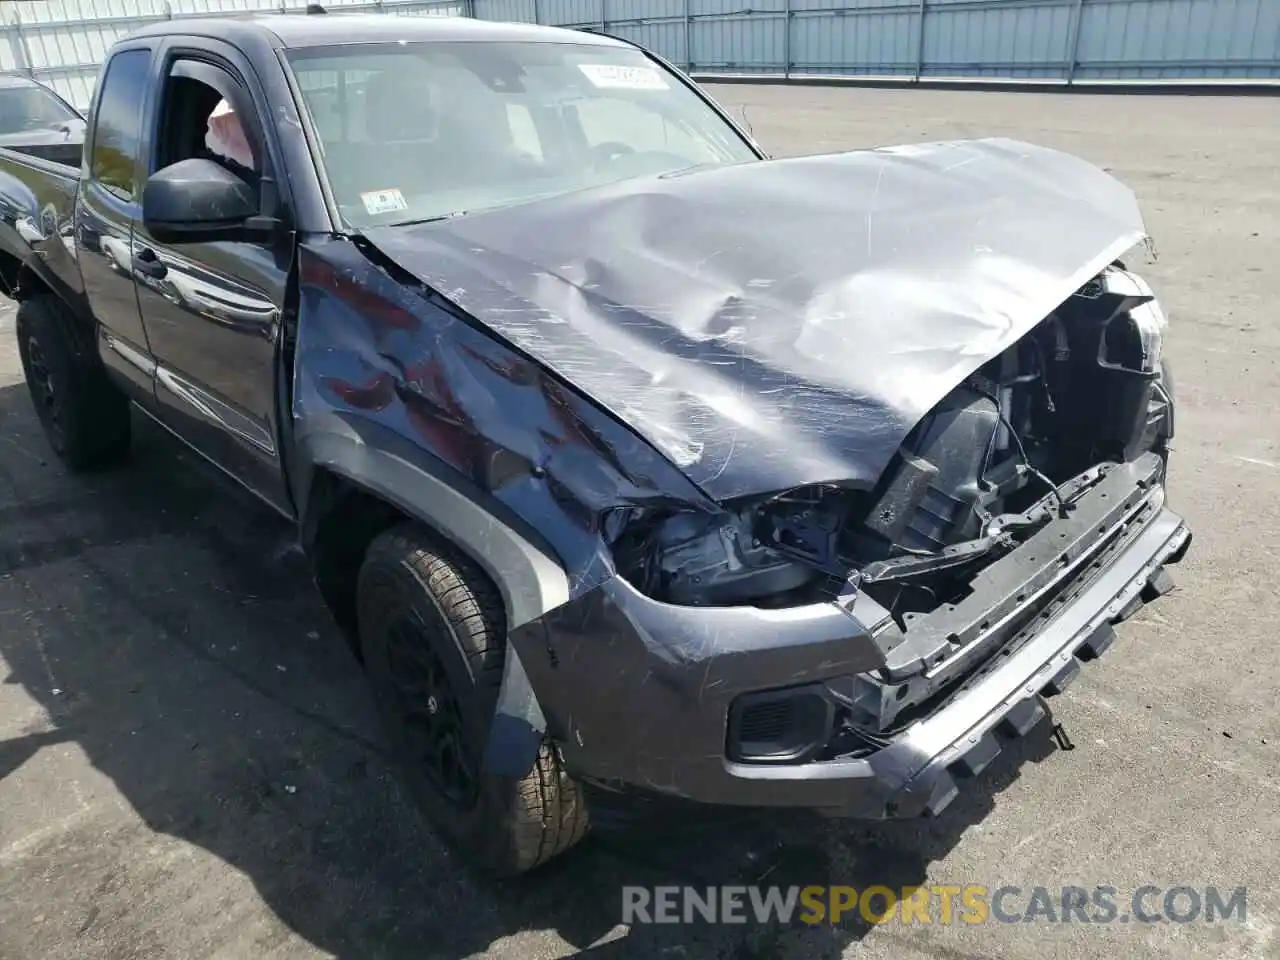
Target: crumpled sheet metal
(377,358)
(786,322)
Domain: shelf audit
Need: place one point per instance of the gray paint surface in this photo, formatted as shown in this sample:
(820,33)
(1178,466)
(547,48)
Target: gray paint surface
(779,323)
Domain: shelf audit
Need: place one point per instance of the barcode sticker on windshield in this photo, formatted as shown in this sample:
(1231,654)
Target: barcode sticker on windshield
(607,75)
(383,201)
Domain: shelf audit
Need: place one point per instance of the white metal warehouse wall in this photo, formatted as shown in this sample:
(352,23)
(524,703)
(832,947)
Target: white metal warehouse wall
(62,41)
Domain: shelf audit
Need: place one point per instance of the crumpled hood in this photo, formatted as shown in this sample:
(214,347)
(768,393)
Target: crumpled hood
(785,322)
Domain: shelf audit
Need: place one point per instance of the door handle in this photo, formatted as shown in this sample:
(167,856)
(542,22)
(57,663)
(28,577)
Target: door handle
(146,263)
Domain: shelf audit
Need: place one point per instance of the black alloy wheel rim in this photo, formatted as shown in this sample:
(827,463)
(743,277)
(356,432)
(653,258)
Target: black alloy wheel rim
(431,721)
(46,396)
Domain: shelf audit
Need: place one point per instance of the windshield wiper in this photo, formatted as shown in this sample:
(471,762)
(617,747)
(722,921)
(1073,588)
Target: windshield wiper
(436,219)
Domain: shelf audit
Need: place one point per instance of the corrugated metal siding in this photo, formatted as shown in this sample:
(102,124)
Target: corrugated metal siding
(863,37)
(963,39)
(1180,38)
(62,41)
(730,35)
(516,11)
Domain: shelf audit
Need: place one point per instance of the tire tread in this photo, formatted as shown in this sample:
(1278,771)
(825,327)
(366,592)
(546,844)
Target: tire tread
(96,427)
(546,809)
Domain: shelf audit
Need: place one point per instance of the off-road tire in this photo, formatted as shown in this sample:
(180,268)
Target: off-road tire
(510,825)
(84,415)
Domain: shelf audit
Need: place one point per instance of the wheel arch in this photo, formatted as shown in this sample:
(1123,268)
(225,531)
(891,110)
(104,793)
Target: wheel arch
(10,271)
(20,280)
(358,484)
(355,490)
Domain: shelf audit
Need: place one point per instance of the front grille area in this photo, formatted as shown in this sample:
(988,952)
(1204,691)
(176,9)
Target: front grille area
(1068,592)
(1032,620)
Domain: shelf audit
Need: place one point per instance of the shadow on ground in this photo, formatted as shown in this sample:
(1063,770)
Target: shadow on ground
(170,629)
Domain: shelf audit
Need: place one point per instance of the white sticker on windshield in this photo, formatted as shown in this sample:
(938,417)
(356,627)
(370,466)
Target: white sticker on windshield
(383,201)
(607,75)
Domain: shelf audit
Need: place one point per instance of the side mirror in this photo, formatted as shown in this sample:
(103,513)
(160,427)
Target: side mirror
(199,200)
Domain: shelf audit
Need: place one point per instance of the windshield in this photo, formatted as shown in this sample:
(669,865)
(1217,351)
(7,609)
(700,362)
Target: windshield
(29,108)
(417,131)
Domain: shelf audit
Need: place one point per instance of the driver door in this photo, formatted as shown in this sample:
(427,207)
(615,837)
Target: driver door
(213,309)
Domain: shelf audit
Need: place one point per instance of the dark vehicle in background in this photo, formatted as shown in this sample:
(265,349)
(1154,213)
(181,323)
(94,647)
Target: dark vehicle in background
(633,463)
(35,120)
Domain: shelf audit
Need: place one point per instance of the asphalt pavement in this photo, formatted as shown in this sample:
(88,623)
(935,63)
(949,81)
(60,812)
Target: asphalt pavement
(190,766)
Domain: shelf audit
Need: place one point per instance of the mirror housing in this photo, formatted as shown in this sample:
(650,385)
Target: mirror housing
(199,200)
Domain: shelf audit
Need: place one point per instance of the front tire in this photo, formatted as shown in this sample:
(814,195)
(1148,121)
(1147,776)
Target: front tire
(433,636)
(84,415)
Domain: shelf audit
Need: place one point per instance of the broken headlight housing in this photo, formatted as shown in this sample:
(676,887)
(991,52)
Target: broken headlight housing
(1134,338)
(699,559)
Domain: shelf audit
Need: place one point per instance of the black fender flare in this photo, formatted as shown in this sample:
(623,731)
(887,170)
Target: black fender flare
(530,578)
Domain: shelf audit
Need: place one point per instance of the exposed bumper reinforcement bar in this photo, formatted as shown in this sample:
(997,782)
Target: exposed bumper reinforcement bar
(917,773)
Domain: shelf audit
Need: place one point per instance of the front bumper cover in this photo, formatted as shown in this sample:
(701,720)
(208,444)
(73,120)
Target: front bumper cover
(638,692)
(917,773)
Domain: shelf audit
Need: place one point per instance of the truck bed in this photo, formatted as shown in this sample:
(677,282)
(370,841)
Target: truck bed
(37,221)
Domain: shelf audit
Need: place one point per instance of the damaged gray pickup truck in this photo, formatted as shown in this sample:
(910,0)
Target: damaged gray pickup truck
(635,464)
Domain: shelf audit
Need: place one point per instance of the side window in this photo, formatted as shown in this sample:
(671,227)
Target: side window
(197,120)
(119,122)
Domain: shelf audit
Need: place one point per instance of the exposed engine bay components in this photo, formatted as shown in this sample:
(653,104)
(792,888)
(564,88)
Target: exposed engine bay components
(695,559)
(1033,424)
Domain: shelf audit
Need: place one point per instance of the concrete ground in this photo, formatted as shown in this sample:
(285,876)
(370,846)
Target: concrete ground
(189,765)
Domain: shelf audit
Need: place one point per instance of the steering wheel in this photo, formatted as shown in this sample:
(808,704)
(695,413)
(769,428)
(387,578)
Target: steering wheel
(609,152)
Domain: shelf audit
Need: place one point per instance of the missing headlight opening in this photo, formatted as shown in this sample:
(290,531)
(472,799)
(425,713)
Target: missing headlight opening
(1000,456)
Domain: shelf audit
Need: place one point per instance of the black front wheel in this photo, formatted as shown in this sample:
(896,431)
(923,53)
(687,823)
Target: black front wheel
(433,637)
(84,415)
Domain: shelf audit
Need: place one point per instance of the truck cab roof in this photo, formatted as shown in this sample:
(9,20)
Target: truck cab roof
(295,31)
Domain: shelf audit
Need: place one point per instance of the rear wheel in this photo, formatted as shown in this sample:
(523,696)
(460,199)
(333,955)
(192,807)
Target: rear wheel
(433,636)
(84,415)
